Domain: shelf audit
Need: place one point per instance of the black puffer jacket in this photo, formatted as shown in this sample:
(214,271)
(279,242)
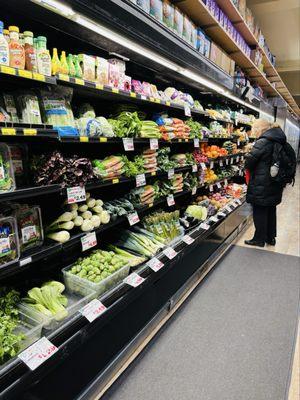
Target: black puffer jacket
(261,190)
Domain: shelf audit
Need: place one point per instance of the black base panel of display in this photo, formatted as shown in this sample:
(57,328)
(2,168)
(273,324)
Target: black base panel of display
(69,378)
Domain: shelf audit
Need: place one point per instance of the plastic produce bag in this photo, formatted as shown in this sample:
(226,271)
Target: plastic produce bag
(29,109)
(7,178)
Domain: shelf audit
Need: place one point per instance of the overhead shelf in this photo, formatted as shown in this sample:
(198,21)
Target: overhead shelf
(198,11)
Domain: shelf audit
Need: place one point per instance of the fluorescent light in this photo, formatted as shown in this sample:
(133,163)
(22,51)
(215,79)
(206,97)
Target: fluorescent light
(56,6)
(203,81)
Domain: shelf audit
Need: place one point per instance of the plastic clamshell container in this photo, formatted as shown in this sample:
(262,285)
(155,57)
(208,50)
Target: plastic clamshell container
(7,176)
(75,302)
(30,328)
(9,241)
(30,228)
(81,285)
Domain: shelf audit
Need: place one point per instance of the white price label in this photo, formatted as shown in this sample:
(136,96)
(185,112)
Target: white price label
(133,218)
(203,166)
(194,190)
(242,158)
(227,161)
(88,241)
(170,253)
(187,110)
(211,165)
(204,226)
(153,144)
(214,218)
(38,353)
(155,264)
(225,182)
(170,200)
(140,180)
(196,142)
(221,163)
(238,201)
(231,161)
(228,208)
(188,239)
(25,261)
(143,97)
(194,168)
(211,188)
(238,159)
(219,185)
(93,310)
(76,194)
(170,173)
(133,279)
(238,142)
(221,214)
(128,144)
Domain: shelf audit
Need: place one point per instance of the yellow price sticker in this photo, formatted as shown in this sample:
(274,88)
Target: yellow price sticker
(38,77)
(186,140)
(153,173)
(150,205)
(84,139)
(157,100)
(103,139)
(151,99)
(8,131)
(179,140)
(79,81)
(64,77)
(99,86)
(25,74)
(29,132)
(8,70)
(132,94)
(115,181)
(115,90)
(168,103)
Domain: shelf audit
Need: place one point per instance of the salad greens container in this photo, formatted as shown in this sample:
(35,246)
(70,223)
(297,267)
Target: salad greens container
(7,177)
(9,242)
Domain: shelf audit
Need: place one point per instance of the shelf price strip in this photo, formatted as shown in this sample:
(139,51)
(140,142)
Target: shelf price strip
(155,264)
(38,353)
(134,279)
(93,310)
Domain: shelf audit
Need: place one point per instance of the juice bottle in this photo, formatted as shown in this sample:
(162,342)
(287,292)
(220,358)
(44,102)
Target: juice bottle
(55,63)
(6,34)
(78,70)
(30,53)
(64,68)
(43,56)
(16,50)
(71,65)
(4,48)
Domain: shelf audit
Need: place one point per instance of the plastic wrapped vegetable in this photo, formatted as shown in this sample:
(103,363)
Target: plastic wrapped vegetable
(7,179)
(9,244)
(29,108)
(86,111)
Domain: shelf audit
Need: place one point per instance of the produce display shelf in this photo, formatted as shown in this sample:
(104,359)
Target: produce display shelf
(24,74)
(29,192)
(27,132)
(234,157)
(15,376)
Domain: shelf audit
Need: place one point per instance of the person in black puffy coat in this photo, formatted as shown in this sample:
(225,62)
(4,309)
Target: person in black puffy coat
(263,193)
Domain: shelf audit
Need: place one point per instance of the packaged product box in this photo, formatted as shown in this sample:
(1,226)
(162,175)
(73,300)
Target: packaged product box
(226,20)
(178,21)
(232,67)
(88,67)
(213,52)
(187,29)
(102,70)
(225,63)
(216,11)
(120,63)
(194,36)
(168,14)
(113,75)
(144,4)
(207,44)
(125,82)
(156,9)
(221,17)
(242,8)
(200,41)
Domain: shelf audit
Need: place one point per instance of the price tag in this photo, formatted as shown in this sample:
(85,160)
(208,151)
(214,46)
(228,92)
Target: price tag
(221,214)
(38,353)
(8,131)
(170,253)
(219,185)
(221,163)
(225,182)
(103,139)
(88,241)
(79,81)
(211,188)
(194,190)
(140,180)
(196,142)
(134,280)
(64,77)
(242,158)
(25,74)
(132,94)
(170,200)
(231,161)
(115,181)
(133,218)
(151,99)
(143,97)
(188,239)
(238,201)
(83,139)
(76,194)
(93,310)
(168,103)
(153,144)
(203,166)
(38,77)
(128,144)
(227,161)
(211,165)
(7,70)
(187,110)
(155,264)
(195,168)
(153,173)
(170,173)
(238,159)
(228,208)
(238,142)
(25,261)
(214,218)
(29,132)
(204,226)
(99,86)
(115,90)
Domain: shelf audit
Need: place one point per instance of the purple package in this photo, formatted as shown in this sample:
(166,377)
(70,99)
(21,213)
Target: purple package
(234,34)
(221,17)
(226,20)
(137,86)
(216,12)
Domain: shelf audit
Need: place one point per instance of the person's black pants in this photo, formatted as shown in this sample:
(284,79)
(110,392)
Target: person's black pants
(265,223)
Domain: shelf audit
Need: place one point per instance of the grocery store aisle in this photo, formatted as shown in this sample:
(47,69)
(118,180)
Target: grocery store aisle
(233,339)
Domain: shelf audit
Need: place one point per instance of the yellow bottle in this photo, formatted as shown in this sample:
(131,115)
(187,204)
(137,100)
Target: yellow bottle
(55,63)
(64,68)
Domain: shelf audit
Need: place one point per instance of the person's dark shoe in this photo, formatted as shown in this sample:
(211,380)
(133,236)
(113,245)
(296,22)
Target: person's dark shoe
(253,242)
(271,242)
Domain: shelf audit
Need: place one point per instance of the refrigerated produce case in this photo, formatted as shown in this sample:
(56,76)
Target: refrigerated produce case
(163,162)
